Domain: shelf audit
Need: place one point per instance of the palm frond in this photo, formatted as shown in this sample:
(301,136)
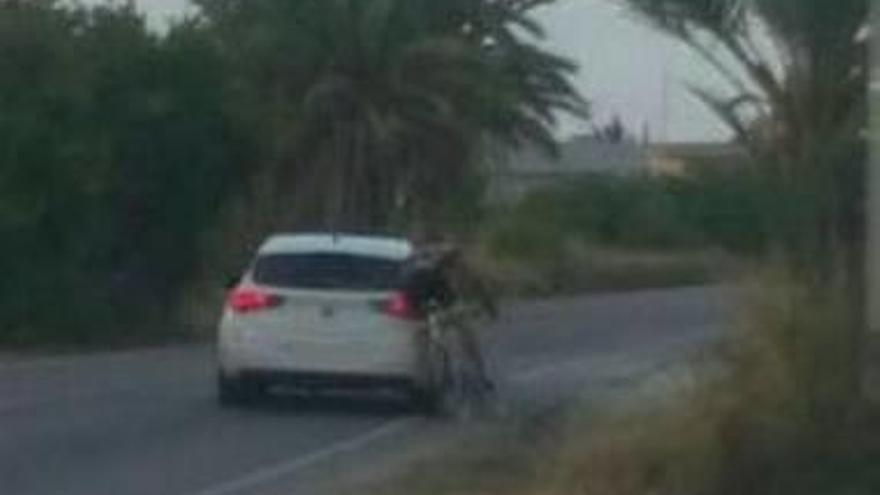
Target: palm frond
(409,86)
(729,111)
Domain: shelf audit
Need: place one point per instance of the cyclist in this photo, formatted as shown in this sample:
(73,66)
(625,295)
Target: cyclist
(439,276)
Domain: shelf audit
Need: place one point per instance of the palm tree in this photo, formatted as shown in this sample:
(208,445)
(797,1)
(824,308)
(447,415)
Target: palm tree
(797,77)
(393,101)
(799,68)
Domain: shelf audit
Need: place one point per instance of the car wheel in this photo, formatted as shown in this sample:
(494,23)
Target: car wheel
(432,398)
(238,391)
(428,401)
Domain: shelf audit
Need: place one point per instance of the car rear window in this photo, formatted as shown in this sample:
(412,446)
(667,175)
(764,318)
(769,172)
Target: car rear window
(328,271)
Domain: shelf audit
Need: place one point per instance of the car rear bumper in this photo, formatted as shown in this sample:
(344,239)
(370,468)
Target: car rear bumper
(394,368)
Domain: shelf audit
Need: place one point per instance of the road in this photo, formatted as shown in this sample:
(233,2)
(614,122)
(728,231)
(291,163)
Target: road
(146,422)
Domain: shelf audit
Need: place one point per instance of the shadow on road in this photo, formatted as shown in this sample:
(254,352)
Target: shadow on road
(336,403)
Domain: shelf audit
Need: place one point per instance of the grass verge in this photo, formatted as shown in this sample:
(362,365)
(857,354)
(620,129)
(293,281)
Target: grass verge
(769,414)
(580,268)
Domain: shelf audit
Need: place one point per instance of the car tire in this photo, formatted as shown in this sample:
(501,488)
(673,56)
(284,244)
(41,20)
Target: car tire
(432,396)
(428,401)
(236,392)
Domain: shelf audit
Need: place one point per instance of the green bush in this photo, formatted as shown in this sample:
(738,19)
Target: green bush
(730,209)
(118,149)
(710,211)
(535,240)
(464,208)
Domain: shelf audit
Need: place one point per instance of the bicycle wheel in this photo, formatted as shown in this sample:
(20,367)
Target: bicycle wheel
(433,398)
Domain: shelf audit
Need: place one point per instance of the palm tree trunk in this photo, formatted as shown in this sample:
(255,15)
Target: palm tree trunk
(335,192)
(854,234)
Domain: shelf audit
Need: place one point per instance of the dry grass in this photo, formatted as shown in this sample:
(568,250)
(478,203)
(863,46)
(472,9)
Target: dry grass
(498,460)
(771,414)
(768,423)
(579,268)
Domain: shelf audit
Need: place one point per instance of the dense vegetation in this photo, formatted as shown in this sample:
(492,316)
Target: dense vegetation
(709,210)
(605,232)
(783,406)
(124,151)
(116,148)
(796,88)
(797,74)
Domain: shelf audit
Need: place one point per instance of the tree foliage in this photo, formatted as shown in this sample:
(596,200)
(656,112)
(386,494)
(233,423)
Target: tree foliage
(391,102)
(798,72)
(797,81)
(712,210)
(122,148)
(115,150)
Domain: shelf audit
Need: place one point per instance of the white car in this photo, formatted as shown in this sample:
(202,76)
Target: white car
(321,310)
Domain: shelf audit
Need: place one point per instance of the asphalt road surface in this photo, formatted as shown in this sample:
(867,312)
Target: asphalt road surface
(147,423)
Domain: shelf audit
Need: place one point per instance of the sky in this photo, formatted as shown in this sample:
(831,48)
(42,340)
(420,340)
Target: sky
(627,68)
(630,69)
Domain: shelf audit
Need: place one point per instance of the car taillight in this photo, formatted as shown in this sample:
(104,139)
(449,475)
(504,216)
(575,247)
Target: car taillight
(252,299)
(400,306)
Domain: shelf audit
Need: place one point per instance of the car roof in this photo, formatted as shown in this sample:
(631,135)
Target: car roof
(363,245)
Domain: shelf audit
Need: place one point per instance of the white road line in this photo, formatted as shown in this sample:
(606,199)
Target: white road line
(275,472)
(278,471)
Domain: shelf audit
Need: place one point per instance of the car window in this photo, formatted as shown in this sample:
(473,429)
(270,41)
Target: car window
(327,271)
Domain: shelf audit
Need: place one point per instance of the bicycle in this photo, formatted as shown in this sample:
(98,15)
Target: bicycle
(460,380)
